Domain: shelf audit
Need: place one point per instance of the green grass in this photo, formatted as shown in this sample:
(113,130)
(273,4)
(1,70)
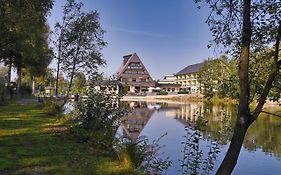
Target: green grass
(33,142)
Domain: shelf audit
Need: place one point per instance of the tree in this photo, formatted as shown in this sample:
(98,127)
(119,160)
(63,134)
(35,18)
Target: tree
(59,34)
(44,80)
(81,42)
(3,77)
(98,117)
(79,83)
(248,25)
(218,77)
(24,36)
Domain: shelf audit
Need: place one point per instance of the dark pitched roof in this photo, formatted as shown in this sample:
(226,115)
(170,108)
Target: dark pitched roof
(126,58)
(191,69)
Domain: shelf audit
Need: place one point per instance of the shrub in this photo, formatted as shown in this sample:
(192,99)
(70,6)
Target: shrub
(183,92)
(162,93)
(142,156)
(98,117)
(3,97)
(52,107)
(25,90)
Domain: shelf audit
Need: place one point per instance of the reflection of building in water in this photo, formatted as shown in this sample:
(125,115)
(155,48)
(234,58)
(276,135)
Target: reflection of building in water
(170,109)
(189,112)
(141,113)
(134,123)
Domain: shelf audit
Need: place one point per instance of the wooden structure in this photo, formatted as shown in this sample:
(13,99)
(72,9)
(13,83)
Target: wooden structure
(133,75)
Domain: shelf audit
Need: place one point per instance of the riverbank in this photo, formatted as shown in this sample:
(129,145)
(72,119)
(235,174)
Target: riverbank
(180,98)
(185,98)
(33,142)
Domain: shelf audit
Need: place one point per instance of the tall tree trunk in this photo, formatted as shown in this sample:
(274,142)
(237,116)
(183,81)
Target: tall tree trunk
(19,69)
(271,78)
(231,157)
(58,69)
(9,88)
(57,78)
(71,79)
(243,116)
(59,53)
(74,65)
(33,85)
(9,71)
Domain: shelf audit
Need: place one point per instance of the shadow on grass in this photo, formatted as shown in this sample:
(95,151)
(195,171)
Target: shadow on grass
(32,142)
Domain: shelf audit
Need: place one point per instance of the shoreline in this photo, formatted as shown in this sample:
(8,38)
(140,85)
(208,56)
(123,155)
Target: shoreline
(170,98)
(182,98)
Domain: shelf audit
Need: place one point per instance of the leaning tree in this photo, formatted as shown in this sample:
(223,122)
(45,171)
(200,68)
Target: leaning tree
(243,27)
(80,42)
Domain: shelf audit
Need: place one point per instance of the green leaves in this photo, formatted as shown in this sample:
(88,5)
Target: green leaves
(98,117)
(225,22)
(219,77)
(82,40)
(24,35)
(79,41)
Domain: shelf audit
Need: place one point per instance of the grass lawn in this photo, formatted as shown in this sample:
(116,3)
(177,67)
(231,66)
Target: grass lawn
(32,142)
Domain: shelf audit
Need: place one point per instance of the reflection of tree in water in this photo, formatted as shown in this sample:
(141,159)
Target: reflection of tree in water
(194,160)
(219,120)
(265,134)
(213,124)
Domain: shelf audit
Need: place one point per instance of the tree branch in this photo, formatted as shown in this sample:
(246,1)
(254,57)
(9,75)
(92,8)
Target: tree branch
(270,79)
(271,113)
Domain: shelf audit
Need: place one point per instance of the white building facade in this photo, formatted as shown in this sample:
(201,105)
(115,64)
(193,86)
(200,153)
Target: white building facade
(187,78)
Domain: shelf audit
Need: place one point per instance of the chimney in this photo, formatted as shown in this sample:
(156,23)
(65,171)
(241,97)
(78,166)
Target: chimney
(125,59)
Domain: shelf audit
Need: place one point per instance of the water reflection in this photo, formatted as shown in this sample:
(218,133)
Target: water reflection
(134,123)
(212,124)
(265,134)
(219,118)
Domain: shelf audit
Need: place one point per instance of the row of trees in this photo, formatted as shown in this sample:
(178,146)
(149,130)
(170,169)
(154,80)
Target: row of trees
(219,76)
(24,37)
(25,42)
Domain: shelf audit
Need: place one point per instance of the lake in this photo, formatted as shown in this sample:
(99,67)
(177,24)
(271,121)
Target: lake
(198,136)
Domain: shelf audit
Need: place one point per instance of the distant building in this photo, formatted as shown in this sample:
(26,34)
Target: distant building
(107,86)
(169,84)
(187,78)
(168,79)
(50,91)
(133,75)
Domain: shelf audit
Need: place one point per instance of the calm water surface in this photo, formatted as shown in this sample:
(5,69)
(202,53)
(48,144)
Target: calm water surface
(212,125)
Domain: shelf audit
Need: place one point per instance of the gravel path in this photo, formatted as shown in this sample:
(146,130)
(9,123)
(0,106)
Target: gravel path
(27,101)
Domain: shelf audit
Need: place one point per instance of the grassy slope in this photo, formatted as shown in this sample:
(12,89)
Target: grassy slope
(32,142)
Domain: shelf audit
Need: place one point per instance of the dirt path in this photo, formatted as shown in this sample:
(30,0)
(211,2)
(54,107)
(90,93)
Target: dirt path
(27,101)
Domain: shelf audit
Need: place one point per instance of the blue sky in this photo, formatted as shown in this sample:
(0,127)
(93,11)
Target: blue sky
(167,35)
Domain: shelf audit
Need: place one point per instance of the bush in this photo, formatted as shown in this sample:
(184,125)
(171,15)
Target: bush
(3,97)
(162,93)
(142,156)
(25,90)
(183,92)
(52,107)
(98,117)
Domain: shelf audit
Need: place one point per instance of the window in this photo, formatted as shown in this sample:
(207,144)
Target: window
(134,66)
